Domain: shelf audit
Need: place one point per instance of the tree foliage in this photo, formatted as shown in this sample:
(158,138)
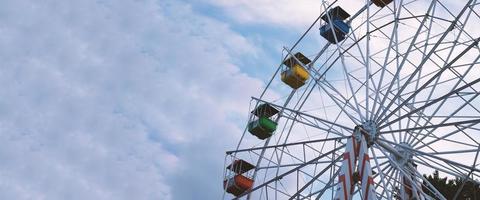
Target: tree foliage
(449,187)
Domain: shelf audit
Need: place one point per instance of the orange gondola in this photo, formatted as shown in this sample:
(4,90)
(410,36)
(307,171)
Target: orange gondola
(240,181)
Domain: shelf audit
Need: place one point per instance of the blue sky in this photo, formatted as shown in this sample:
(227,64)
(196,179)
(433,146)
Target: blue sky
(134,99)
(137,99)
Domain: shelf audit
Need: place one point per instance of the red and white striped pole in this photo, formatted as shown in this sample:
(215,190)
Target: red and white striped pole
(345,187)
(356,149)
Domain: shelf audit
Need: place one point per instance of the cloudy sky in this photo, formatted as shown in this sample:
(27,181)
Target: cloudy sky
(131,99)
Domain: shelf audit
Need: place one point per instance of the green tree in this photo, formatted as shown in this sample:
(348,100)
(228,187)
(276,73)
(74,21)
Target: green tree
(450,187)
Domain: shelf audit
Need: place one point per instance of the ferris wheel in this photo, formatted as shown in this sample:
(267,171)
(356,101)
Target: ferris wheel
(368,100)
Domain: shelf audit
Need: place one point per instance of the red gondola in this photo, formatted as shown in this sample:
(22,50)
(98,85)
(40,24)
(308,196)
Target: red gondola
(240,181)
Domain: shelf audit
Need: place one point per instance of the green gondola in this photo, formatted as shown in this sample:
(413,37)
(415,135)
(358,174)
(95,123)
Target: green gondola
(263,127)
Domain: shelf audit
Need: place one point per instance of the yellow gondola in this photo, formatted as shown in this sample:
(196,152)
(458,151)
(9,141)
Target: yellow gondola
(295,76)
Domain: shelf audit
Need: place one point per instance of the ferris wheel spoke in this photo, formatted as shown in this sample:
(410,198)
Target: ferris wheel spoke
(473,121)
(329,185)
(426,183)
(433,115)
(456,152)
(396,21)
(298,106)
(295,165)
(290,171)
(429,81)
(408,61)
(299,191)
(471,4)
(444,138)
(379,186)
(389,173)
(337,102)
(305,173)
(437,75)
(410,38)
(415,140)
(373,90)
(344,67)
(465,178)
(335,121)
(380,92)
(411,107)
(387,192)
(446,170)
(346,50)
(417,82)
(399,66)
(419,66)
(311,119)
(315,124)
(276,190)
(460,129)
(284,151)
(287,144)
(446,161)
(277,165)
(397,166)
(437,165)
(400,170)
(466,102)
(367,66)
(447,167)
(382,176)
(432,102)
(425,41)
(393,35)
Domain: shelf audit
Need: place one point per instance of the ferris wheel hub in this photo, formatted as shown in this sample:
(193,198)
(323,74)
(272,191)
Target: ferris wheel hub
(404,155)
(369,130)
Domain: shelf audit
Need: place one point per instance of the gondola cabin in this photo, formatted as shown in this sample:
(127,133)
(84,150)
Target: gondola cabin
(262,126)
(291,61)
(240,180)
(295,75)
(381,3)
(335,32)
(335,29)
(337,13)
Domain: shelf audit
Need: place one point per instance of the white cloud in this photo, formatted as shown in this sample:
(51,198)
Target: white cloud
(126,100)
(284,12)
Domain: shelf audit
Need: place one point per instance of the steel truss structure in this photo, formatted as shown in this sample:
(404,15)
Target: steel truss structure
(396,99)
